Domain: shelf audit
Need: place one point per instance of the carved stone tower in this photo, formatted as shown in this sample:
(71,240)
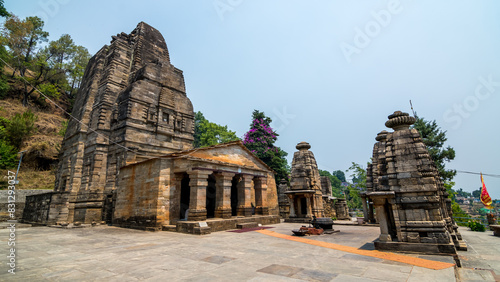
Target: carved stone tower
(408,194)
(131,106)
(305,185)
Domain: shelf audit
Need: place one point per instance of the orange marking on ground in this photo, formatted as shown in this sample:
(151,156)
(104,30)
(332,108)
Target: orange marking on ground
(431,264)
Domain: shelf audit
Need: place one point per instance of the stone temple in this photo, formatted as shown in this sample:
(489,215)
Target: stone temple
(410,201)
(127,157)
(309,194)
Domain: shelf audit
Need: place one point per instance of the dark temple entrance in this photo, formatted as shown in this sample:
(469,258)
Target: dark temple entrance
(303,206)
(234,195)
(210,197)
(185,196)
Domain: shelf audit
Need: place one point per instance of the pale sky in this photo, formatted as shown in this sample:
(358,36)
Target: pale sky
(327,72)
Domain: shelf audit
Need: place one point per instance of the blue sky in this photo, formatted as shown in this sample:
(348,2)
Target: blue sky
(327,72)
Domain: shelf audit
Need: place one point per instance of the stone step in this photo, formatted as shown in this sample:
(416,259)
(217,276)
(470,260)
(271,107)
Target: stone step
(171,228)
(247,225)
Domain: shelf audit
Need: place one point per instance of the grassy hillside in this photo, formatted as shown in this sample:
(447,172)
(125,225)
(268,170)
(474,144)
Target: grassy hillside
(41,156)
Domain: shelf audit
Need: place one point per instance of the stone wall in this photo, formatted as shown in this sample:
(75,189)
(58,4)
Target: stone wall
(46,208)
(329,207)
(326,186)
(143,199)
(20,199)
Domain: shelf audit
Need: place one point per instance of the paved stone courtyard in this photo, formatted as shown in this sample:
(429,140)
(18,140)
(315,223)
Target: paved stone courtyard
(118,254)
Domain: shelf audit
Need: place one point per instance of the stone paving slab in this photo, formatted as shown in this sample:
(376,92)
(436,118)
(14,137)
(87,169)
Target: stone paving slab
(481,262)
(118,254)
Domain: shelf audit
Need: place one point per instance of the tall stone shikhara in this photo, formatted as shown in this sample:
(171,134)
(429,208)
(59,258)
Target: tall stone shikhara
(133,96)
(410,199)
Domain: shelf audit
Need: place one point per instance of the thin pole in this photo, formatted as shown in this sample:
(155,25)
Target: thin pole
(18,166)
(412,110)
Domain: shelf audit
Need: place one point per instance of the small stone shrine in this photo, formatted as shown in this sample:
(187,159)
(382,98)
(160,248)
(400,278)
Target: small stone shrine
(409,198)
(306,198)
(329,207)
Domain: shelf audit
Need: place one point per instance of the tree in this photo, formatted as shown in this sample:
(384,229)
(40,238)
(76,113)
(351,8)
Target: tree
(353,198)
(16,33)
(207,133)
(3,11)
(434,139)
(476,193)
(62,50)
(36,35)
(340,175)
(76,67)
(336,183)
(22,37)
(260,140)
(461,193)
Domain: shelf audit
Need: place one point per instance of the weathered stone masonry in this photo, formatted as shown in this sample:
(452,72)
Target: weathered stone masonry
(410,200)
(133,96)
(218,182)
(129,159)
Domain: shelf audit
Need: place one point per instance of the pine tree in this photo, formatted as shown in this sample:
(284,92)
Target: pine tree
(434,138)
(260,140)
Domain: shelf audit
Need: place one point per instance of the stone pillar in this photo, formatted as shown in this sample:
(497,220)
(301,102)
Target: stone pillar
(308,205)
(317,205)
(198,182)
(260,185)
(292,206)
(382,219)
(244,196)
(365,208)
(371,216)
(223,194)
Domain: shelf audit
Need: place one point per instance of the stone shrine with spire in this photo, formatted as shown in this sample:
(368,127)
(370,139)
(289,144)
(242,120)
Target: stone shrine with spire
(409,198)
(305,186)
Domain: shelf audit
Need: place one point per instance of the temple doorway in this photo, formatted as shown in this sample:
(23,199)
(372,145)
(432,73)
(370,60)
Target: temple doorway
(210,197)
(234,195)
(303,206)
(185,196)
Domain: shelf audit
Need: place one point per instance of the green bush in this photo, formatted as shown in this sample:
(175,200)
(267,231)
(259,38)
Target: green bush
(64,127)
(4,87)
(476,226)
(19,128)
(50,90)
(8,155)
